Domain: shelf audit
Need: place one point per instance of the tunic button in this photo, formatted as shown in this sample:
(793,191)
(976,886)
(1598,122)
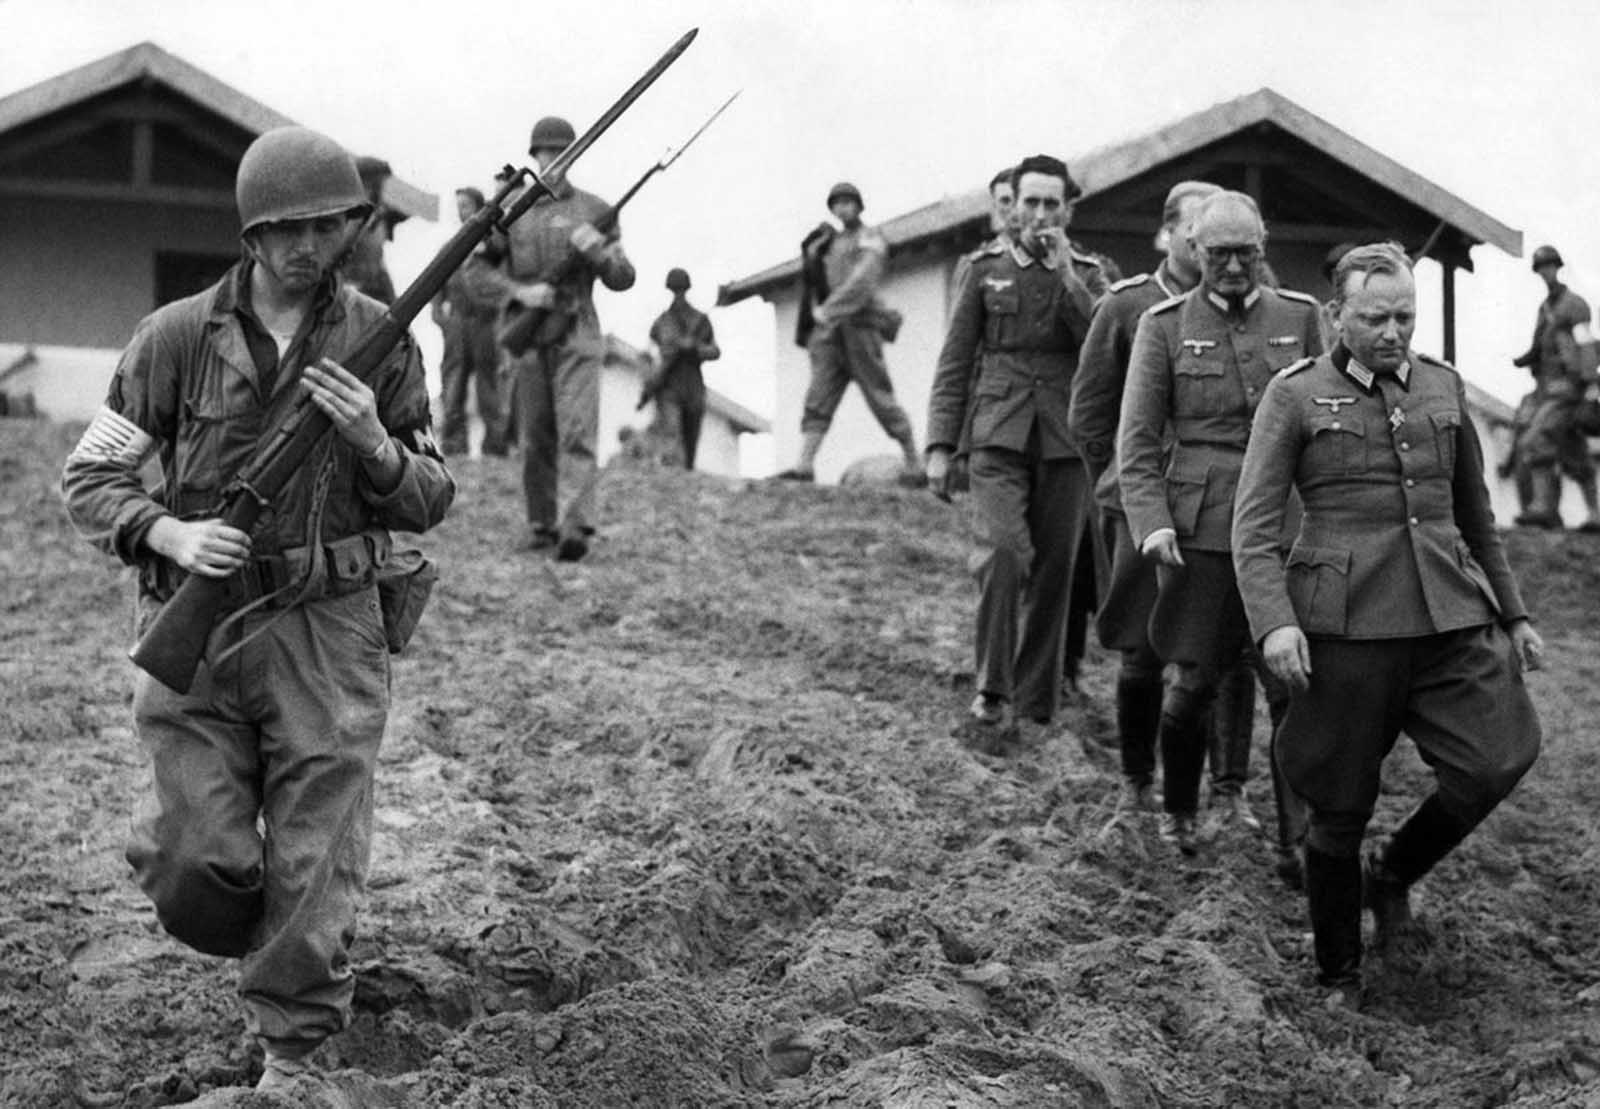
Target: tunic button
(1413,521)
(1405,446)
(1335,425)
(1410,481)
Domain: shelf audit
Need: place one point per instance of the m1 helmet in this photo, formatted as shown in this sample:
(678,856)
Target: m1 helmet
(292,173)
(1547,256)
(551,133)
(845,190)
(677,279)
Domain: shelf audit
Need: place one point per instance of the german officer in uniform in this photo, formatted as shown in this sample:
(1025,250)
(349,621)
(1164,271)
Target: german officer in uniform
(1199,364)
(1021,314)
(1395,609)
(254,841)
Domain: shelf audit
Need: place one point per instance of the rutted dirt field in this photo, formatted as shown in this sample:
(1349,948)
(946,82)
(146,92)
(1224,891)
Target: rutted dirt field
(684,825)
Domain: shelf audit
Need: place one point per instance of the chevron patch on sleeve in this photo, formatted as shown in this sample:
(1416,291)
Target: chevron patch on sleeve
(113,438)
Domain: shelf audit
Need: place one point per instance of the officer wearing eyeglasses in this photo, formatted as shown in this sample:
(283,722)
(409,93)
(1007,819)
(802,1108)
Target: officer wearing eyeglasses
(1199,365)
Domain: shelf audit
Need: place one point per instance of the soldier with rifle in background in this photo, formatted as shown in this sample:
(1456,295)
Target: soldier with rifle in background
(683,338)
(284,720)
(557,390)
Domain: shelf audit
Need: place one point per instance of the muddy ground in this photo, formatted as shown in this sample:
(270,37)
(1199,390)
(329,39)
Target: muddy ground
(685,825)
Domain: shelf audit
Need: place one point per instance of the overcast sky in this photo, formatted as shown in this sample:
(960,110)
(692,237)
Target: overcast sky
(910,99)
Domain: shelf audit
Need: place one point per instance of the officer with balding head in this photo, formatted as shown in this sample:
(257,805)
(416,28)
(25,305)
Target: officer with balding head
(843,324)
(683,340)
(1199,365)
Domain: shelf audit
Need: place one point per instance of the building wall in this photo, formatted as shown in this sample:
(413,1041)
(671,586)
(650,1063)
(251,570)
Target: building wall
(717,453)
(83,275)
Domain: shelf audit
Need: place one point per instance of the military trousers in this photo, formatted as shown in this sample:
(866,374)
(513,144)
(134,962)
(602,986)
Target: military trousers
(1459,696)
(470,359)
(1027,524)
(254,839)
(558,429)
(841,354)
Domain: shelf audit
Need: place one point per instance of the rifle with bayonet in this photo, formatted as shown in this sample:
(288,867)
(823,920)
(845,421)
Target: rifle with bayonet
(523,328)
(173,645)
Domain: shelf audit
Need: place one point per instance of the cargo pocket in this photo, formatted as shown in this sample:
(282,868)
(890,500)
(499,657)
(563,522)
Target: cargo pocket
(1319,589)
(1000,308)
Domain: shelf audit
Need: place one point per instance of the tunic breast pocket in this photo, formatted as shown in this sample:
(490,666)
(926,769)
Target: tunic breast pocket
(1338,445)
(221,421)
(1000,308)
(1446,433)
(1200,386)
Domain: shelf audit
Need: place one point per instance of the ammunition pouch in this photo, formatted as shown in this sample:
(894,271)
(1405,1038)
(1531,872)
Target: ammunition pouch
(884,320)
(404,584)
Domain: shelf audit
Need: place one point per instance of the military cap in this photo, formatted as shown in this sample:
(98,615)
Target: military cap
(551,133)
(677,279)
(845,189)
(1547,256)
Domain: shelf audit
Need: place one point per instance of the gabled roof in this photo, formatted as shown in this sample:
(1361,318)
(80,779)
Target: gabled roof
(147,62)
(1106,167)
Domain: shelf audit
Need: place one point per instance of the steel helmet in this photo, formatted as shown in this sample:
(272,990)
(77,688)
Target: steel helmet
(551,133)
(1547,256)
(677,279)
(296,173)
(845,189)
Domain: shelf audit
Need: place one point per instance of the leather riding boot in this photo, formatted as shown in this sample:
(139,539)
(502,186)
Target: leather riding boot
(1182,738)
(1233,721)
(1138,719)
(1333,893)
(1427,836)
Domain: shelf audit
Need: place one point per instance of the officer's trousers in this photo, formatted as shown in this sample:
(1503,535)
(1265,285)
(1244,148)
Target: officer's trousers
(839,355)
(1459,696)
(558,428)
(1027,523)
(287,731)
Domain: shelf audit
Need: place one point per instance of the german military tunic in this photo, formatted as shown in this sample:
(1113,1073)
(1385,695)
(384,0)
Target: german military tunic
(1199,367)
(1024,323)
(1103,371)
(1397,538)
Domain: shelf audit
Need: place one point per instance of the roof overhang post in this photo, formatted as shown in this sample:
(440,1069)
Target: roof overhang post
(1447,280)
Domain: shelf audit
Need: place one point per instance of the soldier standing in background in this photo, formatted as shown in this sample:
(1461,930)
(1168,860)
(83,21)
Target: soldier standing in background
(255,840)
(465,311)
(1552,443)
(842,326)
(364,266)
(557,387)
(1393,610)
(684,340)
(1021,313)
(1197,371)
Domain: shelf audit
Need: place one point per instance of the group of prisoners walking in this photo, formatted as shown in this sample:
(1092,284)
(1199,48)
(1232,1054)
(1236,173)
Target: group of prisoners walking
(1264,488)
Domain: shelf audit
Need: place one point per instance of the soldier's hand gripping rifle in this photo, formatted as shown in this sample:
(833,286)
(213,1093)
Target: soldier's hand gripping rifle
(522,328)
(173,645)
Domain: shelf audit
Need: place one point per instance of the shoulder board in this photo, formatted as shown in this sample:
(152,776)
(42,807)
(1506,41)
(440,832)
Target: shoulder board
(1295,367)
(1083,259)
(1129,282)
(1432,361)
(1294,294)
(1166,305)
(992,247)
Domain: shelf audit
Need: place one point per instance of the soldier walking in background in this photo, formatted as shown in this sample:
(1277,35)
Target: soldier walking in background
(364,266)
(1197,371)
(843,324)
(1021,313)
(254,842)
(557,389)
(683,340)
(1394,609)
(465,311)
(1552,443)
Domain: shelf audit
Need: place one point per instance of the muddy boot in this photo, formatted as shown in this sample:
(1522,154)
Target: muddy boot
(1591,504)
(1138,718)
(1427,836)
(1182,738)
(1333,894)
(1233,721)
